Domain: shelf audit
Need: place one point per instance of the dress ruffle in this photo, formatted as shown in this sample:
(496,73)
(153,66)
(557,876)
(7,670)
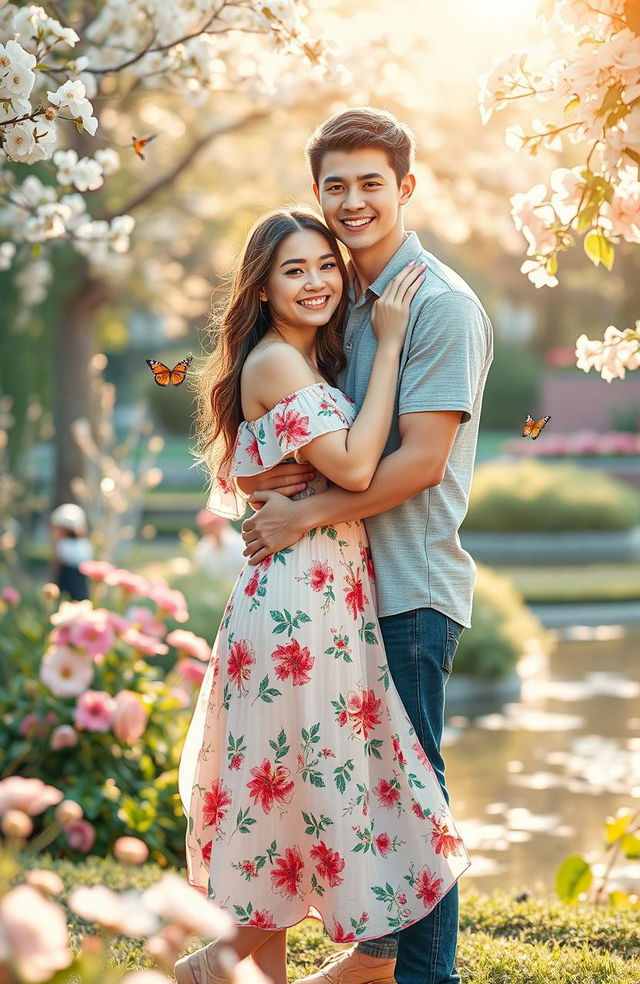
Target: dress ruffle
(268,440)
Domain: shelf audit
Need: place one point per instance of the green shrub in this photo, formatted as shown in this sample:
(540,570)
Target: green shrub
(512,387)
(502,627)
(529,496)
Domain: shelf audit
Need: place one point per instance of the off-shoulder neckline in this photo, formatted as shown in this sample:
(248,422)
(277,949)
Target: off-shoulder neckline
(288,397)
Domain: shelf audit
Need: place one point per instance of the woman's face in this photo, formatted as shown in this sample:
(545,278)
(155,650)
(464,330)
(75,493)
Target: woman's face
(305,283)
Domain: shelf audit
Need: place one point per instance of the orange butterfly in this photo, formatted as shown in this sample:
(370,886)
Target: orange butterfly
(139,143)
(163,375)
(532,428)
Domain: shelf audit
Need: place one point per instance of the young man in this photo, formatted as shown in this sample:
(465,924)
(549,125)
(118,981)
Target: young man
(361,164)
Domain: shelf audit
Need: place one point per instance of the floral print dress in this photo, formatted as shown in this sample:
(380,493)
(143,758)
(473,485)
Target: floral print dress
(305,787)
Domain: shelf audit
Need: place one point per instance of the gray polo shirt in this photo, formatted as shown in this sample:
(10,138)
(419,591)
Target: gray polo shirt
(416,549)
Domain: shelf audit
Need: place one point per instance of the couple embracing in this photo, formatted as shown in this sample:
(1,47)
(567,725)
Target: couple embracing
(311,775)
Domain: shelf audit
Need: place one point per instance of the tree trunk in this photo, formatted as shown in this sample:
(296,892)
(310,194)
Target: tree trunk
(74,347)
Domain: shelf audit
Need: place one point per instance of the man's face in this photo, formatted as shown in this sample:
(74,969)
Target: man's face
(360,198)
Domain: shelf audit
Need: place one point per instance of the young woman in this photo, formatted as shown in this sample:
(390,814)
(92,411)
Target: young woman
(305,788)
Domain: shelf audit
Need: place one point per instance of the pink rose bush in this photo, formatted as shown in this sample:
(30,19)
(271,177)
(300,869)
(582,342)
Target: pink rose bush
(579,444)
(35,945)
(99,700)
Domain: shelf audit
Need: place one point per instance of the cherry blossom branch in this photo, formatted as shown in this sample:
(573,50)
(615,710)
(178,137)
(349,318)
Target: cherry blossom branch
(167,179)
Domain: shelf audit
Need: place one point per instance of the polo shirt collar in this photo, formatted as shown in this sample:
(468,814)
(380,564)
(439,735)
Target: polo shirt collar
(411,249)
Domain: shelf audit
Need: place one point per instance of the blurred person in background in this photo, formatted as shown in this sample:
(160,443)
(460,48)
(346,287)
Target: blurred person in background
(219,552)
(71,547)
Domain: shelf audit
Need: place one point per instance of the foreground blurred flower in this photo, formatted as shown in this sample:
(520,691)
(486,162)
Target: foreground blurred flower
(34,934)
(17,824)
(176,901)
(94,711)
(96,570)
(119,912)
(80,835)
(145,644)
(32,796)
(66,672)
(94,634)
(130,850)
(129,716)
(10,595)
(67,811)
(191,670)
(169,600)
(45,881)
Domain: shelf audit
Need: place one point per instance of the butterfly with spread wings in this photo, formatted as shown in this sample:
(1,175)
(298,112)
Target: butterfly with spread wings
(164,376)
(139,143)
(533,428)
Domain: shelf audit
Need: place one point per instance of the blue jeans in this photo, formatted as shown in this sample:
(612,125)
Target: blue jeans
(420,648)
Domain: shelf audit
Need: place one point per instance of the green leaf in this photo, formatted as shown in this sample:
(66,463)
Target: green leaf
(631,846)
(620,900)
(572,104)
(599,249)
(615,827)
(573,877)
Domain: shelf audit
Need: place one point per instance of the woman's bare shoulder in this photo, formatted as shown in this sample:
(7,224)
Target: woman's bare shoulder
(272,370)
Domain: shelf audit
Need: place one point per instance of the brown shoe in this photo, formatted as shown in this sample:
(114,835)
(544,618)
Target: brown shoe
(196,968)
(348,968)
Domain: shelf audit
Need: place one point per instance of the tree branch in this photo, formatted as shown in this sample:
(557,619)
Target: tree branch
(167,179)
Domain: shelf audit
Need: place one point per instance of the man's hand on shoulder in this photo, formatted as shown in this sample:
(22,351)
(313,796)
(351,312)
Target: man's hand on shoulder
(277,524)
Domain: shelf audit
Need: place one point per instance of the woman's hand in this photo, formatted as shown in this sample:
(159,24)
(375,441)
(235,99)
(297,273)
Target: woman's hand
(390,315)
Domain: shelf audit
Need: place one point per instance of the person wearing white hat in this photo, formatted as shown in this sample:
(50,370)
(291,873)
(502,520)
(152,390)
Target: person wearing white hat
(71,547)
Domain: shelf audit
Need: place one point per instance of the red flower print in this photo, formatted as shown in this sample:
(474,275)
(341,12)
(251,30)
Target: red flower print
(383,844)
(248,867)
(320,574)
(293,661)
(388,794)
(398,750)
(224,484)
(291,428)
(444,842)
(263,919)
(339,935)
(253,583)
(241,659)
(206,852)
(286,400)
(287,873)
(328,863)
(428,888)
(267,787)
(354,594)
(216,805)
(367,563)
(253,450)
(422,757)
(327,753)
(363,709)
(342,718)
(417,809)
(236,761)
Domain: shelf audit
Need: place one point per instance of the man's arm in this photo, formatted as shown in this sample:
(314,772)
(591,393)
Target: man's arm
(419,463)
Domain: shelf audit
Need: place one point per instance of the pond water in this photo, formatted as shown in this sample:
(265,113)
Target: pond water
(532,781)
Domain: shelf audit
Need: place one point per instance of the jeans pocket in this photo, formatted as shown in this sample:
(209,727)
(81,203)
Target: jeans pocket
(454,631)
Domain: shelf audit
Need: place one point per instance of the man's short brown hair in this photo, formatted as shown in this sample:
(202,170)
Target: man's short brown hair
(357,129)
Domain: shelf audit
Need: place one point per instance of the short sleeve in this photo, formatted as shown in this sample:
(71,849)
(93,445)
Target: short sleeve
(293,422)
(448,352)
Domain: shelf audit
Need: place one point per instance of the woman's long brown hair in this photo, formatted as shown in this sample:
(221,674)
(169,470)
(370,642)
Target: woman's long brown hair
(243,323)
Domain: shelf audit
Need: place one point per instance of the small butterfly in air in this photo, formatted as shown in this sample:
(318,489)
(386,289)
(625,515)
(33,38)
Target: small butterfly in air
(163,375)
(139,143)
(532,428)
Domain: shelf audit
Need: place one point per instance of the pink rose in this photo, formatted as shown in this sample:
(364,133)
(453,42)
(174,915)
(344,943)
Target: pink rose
(34,934)
(94,634)
(129,717)
(31,796)
(191,670)
(133,583)
(145,644)
(169,600)
(80,834)
(142,618)
(190,644)
(97,570)
(10,595)
(94,711)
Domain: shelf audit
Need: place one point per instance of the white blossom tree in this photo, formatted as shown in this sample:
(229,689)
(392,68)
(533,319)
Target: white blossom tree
(73,79)
(588,72)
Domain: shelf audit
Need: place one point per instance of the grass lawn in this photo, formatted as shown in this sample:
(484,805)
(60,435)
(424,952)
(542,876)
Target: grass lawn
(537,941)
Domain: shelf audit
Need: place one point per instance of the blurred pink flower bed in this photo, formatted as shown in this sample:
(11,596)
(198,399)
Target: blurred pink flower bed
(579,444)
